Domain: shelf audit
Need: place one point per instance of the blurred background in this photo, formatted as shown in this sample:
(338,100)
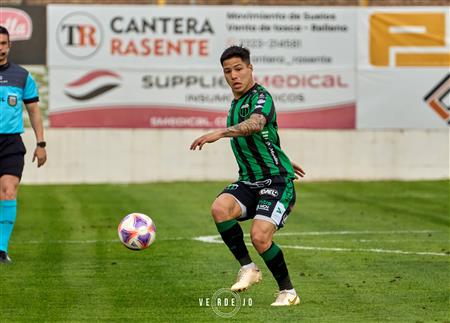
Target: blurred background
(361,87)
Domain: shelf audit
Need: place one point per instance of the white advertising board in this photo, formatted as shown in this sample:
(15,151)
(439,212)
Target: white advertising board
(195,99)
(158,67)
(187,36)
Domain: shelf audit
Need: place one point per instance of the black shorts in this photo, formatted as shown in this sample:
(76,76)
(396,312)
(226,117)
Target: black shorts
(271,199)
(12,153)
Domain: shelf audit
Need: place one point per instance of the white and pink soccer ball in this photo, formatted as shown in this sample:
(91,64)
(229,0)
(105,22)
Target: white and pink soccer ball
(137,231)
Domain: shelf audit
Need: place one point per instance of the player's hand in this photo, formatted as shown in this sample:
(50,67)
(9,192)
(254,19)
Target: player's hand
(40,154)
(207,138)
(299,172)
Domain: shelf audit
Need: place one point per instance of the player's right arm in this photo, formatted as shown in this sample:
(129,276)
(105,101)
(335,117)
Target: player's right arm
(254,124)
(248,127)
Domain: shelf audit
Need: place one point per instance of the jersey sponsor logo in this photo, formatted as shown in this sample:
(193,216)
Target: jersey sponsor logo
(271,151)
(79,35)
(269,191)
(265,202)
(244,110)
(261,101)
(258,184)
(12,100)
(262,207)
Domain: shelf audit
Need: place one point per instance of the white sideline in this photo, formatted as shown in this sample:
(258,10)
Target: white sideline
(216,239)
(424,253)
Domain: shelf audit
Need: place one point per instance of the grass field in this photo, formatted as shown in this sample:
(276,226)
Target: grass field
(357,252)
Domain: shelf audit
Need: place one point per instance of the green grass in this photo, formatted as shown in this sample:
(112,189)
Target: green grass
(69,266)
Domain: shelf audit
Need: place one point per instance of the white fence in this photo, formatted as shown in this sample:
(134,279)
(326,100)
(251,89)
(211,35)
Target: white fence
(133,156)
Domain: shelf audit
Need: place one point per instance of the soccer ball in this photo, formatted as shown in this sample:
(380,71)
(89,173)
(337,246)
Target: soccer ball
(137,231)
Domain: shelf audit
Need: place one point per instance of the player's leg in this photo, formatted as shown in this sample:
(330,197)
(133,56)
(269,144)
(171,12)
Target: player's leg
(11,168)
(271,213)
(227,207)
(261,233)
(8,210)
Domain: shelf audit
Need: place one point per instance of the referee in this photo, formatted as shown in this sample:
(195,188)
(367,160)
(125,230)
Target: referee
(16,86)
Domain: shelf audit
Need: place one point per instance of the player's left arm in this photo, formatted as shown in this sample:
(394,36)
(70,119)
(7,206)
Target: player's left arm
(299,172)
(31,100)
(36,123)
(254,124)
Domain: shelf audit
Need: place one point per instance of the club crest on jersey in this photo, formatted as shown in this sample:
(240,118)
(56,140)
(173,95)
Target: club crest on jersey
(244,110)
(268,191)
(12,100)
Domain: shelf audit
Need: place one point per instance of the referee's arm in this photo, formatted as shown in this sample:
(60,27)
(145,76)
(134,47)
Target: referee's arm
(36,123)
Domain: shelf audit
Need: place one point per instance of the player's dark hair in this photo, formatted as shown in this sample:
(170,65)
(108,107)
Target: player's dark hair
(4,31)
(236,51)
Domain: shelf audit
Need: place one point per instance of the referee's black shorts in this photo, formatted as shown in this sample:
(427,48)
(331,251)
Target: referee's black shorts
(12,155)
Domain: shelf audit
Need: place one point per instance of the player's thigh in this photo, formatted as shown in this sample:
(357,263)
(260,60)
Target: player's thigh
(225,207)
(234,202)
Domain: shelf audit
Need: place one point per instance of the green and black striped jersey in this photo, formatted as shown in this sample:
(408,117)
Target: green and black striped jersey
(259,155)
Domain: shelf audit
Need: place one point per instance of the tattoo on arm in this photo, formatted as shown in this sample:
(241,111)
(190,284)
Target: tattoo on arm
(248,127)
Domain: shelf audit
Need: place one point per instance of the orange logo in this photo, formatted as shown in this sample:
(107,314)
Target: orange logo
(439,98)
(392,36)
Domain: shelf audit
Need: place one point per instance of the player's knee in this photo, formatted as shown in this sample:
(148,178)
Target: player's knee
(8,192)
(260,241)
(220,212)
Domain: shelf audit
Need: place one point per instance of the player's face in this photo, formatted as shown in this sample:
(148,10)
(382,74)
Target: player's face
(239,75)
(5,46)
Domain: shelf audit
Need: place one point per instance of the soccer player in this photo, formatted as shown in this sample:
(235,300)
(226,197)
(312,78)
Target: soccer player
(264,191)
(16,86)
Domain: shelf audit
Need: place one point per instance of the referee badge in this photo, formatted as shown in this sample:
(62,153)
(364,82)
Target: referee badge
(244,110)
(12,100)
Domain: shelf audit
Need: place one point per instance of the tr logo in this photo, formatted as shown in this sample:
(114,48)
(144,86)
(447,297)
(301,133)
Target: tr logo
(79,35)
(408,39)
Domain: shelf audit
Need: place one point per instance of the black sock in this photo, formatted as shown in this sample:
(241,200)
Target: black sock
(233,237)
(274,259)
